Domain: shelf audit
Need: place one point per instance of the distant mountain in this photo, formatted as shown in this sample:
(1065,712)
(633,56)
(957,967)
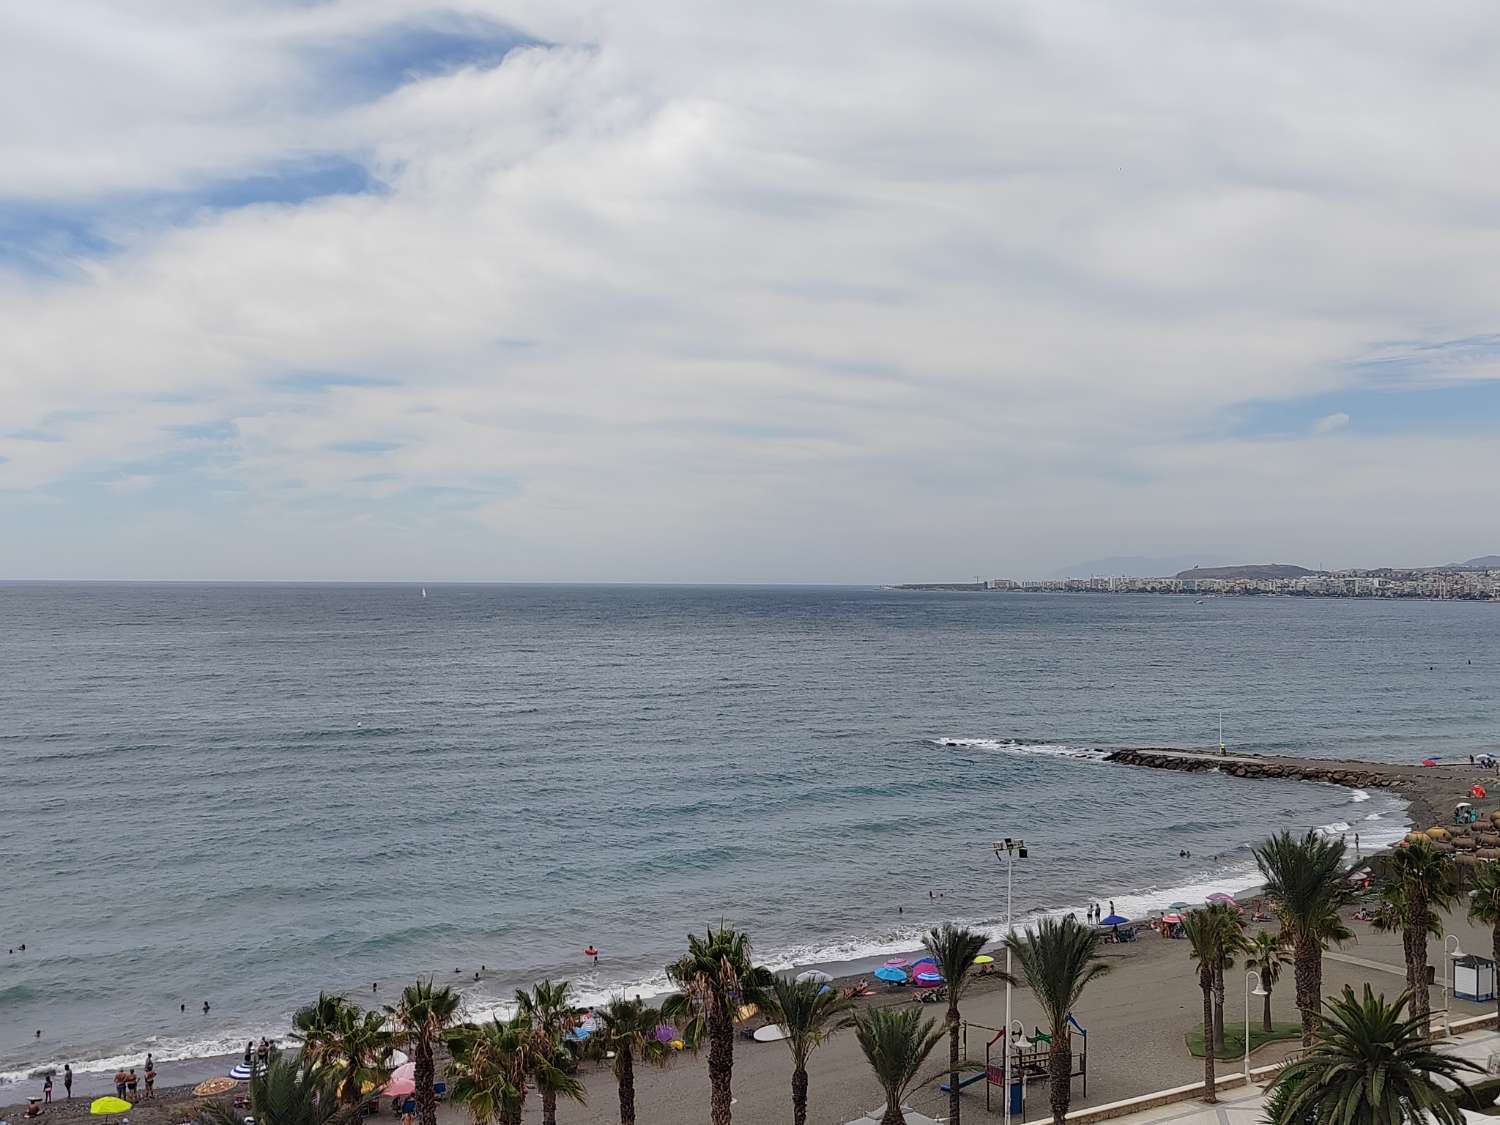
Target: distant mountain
(1133,566)
(1257,570)
(1483,562)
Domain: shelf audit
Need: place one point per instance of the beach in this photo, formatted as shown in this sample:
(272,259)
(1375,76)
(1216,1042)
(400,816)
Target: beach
(1136,1016)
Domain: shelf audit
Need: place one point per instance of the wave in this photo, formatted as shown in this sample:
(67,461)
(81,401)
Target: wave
(1357,796)
(1017,746)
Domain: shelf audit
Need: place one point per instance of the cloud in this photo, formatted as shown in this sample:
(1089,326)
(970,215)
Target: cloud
(1330,423)
(698,291)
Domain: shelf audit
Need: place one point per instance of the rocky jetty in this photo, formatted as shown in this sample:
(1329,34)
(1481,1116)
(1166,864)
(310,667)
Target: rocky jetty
(1290,769)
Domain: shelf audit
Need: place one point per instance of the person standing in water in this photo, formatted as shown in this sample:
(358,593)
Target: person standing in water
(68,1080)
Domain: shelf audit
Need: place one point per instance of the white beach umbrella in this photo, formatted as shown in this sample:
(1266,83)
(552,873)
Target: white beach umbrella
(911,1115)
(817,976)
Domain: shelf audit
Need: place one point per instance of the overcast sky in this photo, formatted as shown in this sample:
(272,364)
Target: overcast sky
(691,290)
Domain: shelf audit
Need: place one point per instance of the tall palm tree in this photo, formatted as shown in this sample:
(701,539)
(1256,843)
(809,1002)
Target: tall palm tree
(1484,907)
(1372,1065)
(488,1070)
(1306,883)
(548,1008)
(1266,953)
(315,1026)
(1230,927)
(809,1012)
(421,1017)
(716,977)
(1419,884)
(627,1028)
(1057,962)
(1203,945)
(284,1092)
(896,1042)
(954,949)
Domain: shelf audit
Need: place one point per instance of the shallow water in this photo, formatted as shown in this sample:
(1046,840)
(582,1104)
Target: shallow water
(242,794)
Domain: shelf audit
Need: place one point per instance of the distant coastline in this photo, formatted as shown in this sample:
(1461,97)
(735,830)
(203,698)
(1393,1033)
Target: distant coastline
(1269,580)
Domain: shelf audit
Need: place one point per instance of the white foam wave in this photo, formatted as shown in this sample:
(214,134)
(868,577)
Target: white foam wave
(1013,746)
(1357,796)
(1375,816)
(1337,828)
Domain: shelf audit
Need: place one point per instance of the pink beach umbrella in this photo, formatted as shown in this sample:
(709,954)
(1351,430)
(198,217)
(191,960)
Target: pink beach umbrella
(1220,896)
(897,963)
(403,1081)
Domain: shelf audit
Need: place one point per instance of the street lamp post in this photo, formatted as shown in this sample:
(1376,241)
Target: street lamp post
(1250,976)
(1448,970)
(1007,851)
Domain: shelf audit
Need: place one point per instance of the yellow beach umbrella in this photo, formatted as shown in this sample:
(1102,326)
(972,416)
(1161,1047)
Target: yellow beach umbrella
(984,959)
(100,1107)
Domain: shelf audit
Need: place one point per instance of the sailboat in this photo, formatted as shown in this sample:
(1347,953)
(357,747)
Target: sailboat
(424,591)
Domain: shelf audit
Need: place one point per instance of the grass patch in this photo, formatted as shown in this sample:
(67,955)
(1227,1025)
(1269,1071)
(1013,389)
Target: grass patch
(1234,1039)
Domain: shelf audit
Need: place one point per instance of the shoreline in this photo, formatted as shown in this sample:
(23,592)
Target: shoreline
(1418,792)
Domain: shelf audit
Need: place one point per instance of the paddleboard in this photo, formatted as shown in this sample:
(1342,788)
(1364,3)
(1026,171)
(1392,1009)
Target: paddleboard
(771,1033)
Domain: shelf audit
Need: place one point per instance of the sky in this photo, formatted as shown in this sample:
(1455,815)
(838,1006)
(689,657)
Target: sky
(706,291)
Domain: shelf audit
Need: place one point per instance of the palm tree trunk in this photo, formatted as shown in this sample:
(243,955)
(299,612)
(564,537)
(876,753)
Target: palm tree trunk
(799,1095)
(423,1074)
(953,1104)
(1265,984)
(1060,1074)
(1415,939)
(1208,1040)
(1218,1007)
(1307,964)
(720,1068)
(549,1106)
(892,1114)
(625,1075)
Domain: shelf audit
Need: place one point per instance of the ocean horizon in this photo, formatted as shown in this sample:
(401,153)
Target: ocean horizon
(243,793)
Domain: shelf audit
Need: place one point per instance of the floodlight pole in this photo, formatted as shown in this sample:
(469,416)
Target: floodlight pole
(1007,851)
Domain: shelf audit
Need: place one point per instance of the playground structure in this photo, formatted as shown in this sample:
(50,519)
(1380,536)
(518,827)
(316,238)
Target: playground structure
(1027,1059)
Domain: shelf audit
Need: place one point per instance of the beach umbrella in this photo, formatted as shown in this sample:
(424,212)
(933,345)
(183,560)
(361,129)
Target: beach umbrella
(101,1107)
(665,1033)
(890,975)
(816,975)
(930,978)
(1220,896)
(1171,918)
(240,1072)
(214,1086)
(984,959)
(1179,905)
(1114,920)
(897,963)
(400,1058)
(403,1081)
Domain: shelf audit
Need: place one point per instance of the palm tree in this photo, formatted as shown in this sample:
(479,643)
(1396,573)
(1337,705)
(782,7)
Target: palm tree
(716,978)
(315,1026)
(1420,883)
(1230,927)
(489,1069)
(954,949)
(896,1042)
(1305,881)
(1484,907)
(1266,953)
(1201,929)
(549,1011)
(284,1092)
(809,1011)
(1371,1064)
(628,1029)
(1058,961)
(421,1017)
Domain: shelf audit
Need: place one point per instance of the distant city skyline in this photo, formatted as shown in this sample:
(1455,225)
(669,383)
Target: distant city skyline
(481,290)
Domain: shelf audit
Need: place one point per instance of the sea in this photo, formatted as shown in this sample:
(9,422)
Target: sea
(239,795)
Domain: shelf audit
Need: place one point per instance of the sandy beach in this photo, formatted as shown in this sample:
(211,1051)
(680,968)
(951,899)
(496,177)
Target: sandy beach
(1136,1017)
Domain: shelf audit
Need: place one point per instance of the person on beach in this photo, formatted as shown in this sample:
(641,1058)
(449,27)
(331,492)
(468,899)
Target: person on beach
(119,1083)
(68,1081)
(249,1050)
(150,1073)
(263,1052)
(132,1083)
(47,1089)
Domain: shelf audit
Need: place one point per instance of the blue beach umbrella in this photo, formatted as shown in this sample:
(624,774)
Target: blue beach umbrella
(890,975)
(930,978)
(1114,920)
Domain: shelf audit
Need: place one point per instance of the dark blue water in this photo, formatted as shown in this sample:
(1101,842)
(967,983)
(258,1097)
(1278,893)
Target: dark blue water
(243,794)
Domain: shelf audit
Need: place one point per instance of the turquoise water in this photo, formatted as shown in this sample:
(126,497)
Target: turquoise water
(243,794)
